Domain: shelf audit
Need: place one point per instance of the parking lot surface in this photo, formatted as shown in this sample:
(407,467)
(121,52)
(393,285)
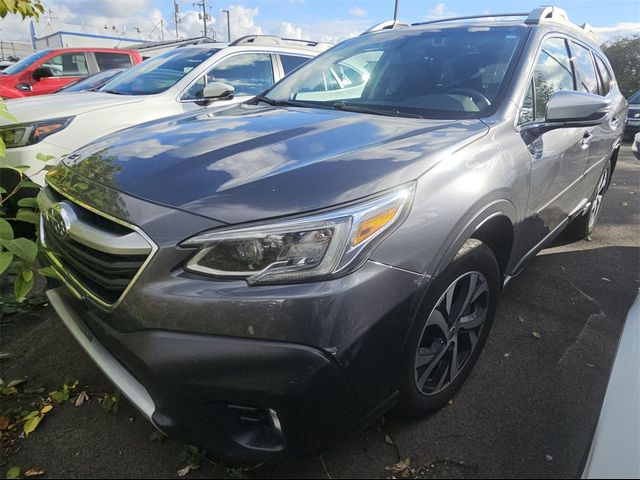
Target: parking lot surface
(529,408)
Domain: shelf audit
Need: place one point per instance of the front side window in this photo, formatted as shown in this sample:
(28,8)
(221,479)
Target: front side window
(454,72)
(248,73)
(68,65)
(586,78)
(108,61)
(158,74)
(552,73)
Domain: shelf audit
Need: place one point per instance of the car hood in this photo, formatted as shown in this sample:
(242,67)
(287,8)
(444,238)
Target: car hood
(40,107)
(248,163)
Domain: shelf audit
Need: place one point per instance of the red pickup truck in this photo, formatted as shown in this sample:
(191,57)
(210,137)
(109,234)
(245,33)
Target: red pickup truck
(46,71)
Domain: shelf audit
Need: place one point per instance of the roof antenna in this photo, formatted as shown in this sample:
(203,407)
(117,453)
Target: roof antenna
(395,11)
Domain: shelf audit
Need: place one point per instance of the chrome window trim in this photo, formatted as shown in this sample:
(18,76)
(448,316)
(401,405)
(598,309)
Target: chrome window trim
(73,282)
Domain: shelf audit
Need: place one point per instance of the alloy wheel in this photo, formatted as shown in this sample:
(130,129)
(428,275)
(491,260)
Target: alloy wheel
(451,333)
(597,201)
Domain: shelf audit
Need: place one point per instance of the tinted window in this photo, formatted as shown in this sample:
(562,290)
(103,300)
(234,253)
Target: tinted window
(291,62)
(454,72)
(159,73)
(108,61)
(551,74)
(26,62)
(68,65)
(605,75)
(248,73)
(92,82)
(635,98)
(586,80)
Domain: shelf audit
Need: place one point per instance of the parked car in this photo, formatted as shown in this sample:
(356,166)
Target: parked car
(46,71)
(259,279)
(614,449)
(92,82)
(633,116)
(635,148)
(169,84)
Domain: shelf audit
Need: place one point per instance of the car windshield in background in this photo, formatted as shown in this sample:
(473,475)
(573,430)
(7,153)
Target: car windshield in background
(92,82)
(455,72)
(25,62)
(157,74)
(635,98)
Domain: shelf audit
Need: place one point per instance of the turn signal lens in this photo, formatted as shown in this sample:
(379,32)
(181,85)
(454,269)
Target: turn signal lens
(369,227)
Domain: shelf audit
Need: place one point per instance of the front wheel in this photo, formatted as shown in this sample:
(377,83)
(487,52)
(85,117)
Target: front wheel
(450,331)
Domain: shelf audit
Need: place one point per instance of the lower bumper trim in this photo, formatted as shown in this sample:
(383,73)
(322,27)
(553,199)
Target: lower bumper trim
(117,374)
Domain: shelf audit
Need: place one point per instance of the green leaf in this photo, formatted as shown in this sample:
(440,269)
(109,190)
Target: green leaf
(2,191)
(13,472)
(29,184)
(22,287)
(23,248)
(5,261)
(31,424)
(44,158)
(27,202)
(27,275)
(49,272)
(8,116)
(28,216)
(6,231)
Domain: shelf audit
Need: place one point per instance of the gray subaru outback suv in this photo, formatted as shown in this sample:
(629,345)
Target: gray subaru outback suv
(259,279)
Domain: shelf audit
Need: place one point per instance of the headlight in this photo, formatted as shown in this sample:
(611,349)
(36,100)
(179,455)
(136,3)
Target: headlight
(30,133)
(303,248)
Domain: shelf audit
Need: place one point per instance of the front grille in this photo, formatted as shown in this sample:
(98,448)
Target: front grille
(101,270)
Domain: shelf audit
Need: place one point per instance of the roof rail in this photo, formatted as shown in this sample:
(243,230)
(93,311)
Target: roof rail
(273,40)
(471,17)
(387,25)
(540,14)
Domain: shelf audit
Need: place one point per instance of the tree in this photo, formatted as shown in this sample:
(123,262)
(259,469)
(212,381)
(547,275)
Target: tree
(26,8)
(624,55)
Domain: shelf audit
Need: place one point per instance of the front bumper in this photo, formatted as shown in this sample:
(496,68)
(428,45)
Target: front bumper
(240,398)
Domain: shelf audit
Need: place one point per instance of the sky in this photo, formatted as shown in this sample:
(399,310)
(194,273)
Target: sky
(321,20)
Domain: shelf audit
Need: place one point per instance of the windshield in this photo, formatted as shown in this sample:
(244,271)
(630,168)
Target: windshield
(25,62)
(91,82)
(635,98)
(437,73)
(157,74)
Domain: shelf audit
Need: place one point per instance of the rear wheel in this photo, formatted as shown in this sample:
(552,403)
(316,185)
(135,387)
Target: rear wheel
(582,226)
(451,330)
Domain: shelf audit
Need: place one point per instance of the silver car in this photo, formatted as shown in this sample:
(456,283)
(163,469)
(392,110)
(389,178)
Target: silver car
(260,278)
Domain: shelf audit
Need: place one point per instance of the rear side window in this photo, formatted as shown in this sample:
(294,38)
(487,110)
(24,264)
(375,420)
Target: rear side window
(552,74)
(586,79)
(291,62)
(108,61)
(68,65)
(605,75)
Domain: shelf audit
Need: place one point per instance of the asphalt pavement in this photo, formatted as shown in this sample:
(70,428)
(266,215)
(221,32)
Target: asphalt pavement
(529,408)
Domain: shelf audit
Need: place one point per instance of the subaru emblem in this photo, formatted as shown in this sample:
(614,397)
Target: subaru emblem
(58,218)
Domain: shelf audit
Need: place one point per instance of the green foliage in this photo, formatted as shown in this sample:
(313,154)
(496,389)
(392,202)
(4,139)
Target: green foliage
(13,472)
(25,8)
(17,206)
(110,402)
(624,55)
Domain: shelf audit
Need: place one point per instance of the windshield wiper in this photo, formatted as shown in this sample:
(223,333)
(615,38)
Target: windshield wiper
(285,103)
(111,91)
(350,107)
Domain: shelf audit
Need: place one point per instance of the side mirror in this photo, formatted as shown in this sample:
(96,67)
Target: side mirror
(585,109)
(218,91)
(636,146)
(42,72)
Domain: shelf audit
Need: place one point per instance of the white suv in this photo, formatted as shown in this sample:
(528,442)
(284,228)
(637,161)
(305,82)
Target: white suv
(169,84)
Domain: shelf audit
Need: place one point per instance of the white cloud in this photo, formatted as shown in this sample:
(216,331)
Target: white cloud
(439,10)
(289,30)
(622,29)
(358,12)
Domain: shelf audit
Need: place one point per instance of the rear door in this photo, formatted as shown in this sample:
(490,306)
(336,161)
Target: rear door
(66,68)
(558,157)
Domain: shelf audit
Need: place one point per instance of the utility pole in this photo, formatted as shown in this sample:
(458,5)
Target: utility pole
(395,11)
(203,15)
(228,25)
(176,10)
(162,29)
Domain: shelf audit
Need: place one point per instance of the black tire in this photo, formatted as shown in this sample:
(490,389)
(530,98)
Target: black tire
(582,226)
(474,259)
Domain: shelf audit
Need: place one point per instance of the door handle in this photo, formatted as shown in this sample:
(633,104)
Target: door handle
(586,140)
